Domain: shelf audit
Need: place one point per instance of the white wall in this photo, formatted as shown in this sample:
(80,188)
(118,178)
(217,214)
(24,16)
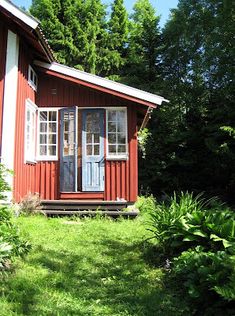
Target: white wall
(9,104)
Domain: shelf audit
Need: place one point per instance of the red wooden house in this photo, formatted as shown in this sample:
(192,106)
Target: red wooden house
(65,133)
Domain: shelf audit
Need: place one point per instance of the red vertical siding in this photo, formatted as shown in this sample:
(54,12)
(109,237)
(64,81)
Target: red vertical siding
(40,177)
(3,48)
(122,176)
(43,177)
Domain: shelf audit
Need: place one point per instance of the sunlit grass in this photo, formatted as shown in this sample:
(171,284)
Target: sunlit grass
(86,267)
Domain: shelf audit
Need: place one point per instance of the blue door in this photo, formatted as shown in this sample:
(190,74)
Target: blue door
(93,150)
(68,150)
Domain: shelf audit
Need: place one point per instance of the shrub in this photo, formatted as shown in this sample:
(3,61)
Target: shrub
(201,243)
(146,204)
(166,219)
(202,272)
(30,204)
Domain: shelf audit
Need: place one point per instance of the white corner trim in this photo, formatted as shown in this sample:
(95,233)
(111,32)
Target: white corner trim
(103,82)
(30,21)
(9,103)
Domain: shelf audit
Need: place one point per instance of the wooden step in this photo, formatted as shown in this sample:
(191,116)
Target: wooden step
(88,208)
(115,214)
(84,205)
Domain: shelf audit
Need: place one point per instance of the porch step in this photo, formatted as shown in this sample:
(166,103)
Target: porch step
(114,214)
(87,208)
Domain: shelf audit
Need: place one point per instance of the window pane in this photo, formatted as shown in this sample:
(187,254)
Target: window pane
(52,139)
(121,149)
(89,138)
(121,115)
(52,116)
(112,115)
(88,150)
(96,138)
(112,138)
(121,138)
(43,116)
(96,150)
(43,127)
(28,115)
(121,126)
(52,127)
(43,150)
(43,139)
(112,149)
(52,150)
(112,127)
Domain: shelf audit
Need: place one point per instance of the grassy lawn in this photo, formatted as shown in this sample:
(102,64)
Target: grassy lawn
(86,267)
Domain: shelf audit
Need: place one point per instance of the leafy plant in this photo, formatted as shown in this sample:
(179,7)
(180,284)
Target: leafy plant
(206,274)
(167,219)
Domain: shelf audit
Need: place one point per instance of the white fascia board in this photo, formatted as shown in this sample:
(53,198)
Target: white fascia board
(30,21)
(103,82)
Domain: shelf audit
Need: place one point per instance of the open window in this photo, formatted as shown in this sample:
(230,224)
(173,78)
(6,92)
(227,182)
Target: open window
(32,78)
(30,131)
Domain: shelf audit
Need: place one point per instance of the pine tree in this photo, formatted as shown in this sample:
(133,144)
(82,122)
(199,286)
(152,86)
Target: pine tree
(115,41)
(144,44)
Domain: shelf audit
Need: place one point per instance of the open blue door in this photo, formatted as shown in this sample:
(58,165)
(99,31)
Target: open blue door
(93,150)
(68,150)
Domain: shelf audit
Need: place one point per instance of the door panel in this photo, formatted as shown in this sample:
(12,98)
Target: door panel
(93,150)
(68,150)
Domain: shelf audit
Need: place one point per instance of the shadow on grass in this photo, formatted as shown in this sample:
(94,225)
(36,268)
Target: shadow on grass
(115,282)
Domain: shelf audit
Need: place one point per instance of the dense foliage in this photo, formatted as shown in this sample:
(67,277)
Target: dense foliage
(197,240)
(189,62)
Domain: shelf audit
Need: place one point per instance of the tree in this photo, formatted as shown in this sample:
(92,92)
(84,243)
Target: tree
(196,65)
(144,44)
(117,38)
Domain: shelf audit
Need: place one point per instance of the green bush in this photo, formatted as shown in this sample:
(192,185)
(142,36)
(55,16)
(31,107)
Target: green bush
(146,204)
(203,273)
(185,222)
(199,237)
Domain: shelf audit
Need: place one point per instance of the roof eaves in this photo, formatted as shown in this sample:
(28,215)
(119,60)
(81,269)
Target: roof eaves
(20,14)
(103,82)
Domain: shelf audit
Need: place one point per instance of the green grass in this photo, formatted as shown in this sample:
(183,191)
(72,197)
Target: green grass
(86,267)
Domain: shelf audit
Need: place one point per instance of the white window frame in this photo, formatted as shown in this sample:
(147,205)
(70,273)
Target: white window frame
(33,83)
(47,157)
(30,153)
(111,156)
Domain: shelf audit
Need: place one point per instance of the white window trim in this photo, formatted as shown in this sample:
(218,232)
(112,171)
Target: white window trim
(30,82)
(111,156)
(47,157)
(32,106)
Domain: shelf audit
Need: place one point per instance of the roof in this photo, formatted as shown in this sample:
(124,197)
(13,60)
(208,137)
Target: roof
(40,43)
(31,27)
(20,14)
(103,82)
